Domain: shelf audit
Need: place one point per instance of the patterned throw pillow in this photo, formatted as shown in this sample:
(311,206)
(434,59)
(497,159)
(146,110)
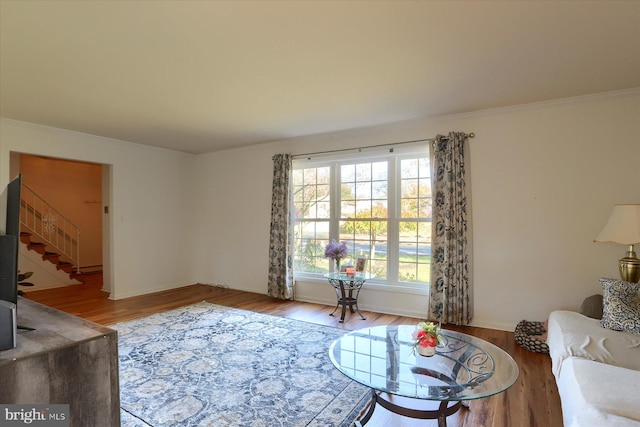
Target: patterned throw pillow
(621,305)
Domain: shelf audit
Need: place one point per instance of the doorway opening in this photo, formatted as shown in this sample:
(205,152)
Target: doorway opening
(74,192)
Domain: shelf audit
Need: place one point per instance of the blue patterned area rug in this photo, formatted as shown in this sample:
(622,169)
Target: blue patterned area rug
(209,365)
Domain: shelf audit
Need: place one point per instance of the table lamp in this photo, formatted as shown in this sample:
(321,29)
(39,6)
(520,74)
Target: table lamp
(623,228)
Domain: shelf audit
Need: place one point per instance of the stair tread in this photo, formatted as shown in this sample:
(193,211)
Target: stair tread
(47,256)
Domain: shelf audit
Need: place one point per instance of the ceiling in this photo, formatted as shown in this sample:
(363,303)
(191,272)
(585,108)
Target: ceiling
(202,76)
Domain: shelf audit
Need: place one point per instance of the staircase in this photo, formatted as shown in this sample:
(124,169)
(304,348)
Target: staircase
(45,230)
(52,257)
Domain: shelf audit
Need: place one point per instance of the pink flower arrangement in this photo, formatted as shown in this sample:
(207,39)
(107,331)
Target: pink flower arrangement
(427,334)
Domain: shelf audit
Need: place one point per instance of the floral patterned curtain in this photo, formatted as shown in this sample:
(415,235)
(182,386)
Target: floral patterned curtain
(450,296)
(280,241)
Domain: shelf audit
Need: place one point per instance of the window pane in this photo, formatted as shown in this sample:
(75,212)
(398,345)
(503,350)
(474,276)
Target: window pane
(424,273)
(407,272)
(348,209)
(424,232)
(322,192)
(369,239)
(298,194)
(409,208)
(363,191)
(363,209)
(415,188)
(378,267)
(424,167)
(379,189)
(348,173)
(363,172)
(310,238)
(409,251)
(379,209)
(324,175)
(323,210)
(379,171)
(378,255)
(347,230)
(311,193)
(409,188)
(296,177)
(409,168)
(348,191)
(424,189)
(309,176)
(425,208)
(415,251)
(371,196)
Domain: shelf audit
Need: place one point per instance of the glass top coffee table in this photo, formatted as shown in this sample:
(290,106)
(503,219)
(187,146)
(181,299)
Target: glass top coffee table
(383,358)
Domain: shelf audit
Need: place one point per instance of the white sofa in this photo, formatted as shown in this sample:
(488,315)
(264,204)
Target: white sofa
(597,371)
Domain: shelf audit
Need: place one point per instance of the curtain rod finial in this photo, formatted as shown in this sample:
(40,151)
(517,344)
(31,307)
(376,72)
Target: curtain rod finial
(472,135)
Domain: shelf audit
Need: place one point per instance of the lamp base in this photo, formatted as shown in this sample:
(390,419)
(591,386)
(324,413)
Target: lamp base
(630,267)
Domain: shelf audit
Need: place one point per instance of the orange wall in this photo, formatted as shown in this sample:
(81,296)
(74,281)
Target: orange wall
(74,189)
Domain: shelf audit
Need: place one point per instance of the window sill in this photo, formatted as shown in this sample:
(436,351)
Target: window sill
(373,284)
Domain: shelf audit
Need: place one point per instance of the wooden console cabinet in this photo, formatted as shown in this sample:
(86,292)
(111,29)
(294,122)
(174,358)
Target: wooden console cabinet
(65,360)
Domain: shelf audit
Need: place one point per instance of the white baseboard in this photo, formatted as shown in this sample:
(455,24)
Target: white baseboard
(144,291)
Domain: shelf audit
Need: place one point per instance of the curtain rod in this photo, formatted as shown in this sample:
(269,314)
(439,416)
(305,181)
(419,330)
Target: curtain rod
(470,135)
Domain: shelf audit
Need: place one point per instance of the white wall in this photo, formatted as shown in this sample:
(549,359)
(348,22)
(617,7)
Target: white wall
(150,208)
(544,178)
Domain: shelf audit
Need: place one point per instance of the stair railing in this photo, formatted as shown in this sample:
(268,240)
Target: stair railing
(40,218)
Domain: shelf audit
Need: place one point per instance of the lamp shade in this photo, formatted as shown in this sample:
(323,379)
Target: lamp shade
(623,226)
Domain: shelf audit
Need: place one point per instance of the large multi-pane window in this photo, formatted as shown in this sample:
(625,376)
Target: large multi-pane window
(379,206)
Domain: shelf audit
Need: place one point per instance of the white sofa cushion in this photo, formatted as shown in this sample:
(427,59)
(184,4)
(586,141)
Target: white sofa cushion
(572,334)
(597,394)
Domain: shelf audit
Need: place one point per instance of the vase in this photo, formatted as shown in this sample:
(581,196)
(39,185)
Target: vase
(427,351)
(337,265)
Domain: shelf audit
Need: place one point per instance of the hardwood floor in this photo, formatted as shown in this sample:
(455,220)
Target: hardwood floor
(532,401)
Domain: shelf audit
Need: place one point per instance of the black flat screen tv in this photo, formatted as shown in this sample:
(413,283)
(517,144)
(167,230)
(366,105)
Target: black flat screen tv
(9,241)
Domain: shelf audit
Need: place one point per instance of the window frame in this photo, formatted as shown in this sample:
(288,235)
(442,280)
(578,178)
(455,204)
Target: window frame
(393,159)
